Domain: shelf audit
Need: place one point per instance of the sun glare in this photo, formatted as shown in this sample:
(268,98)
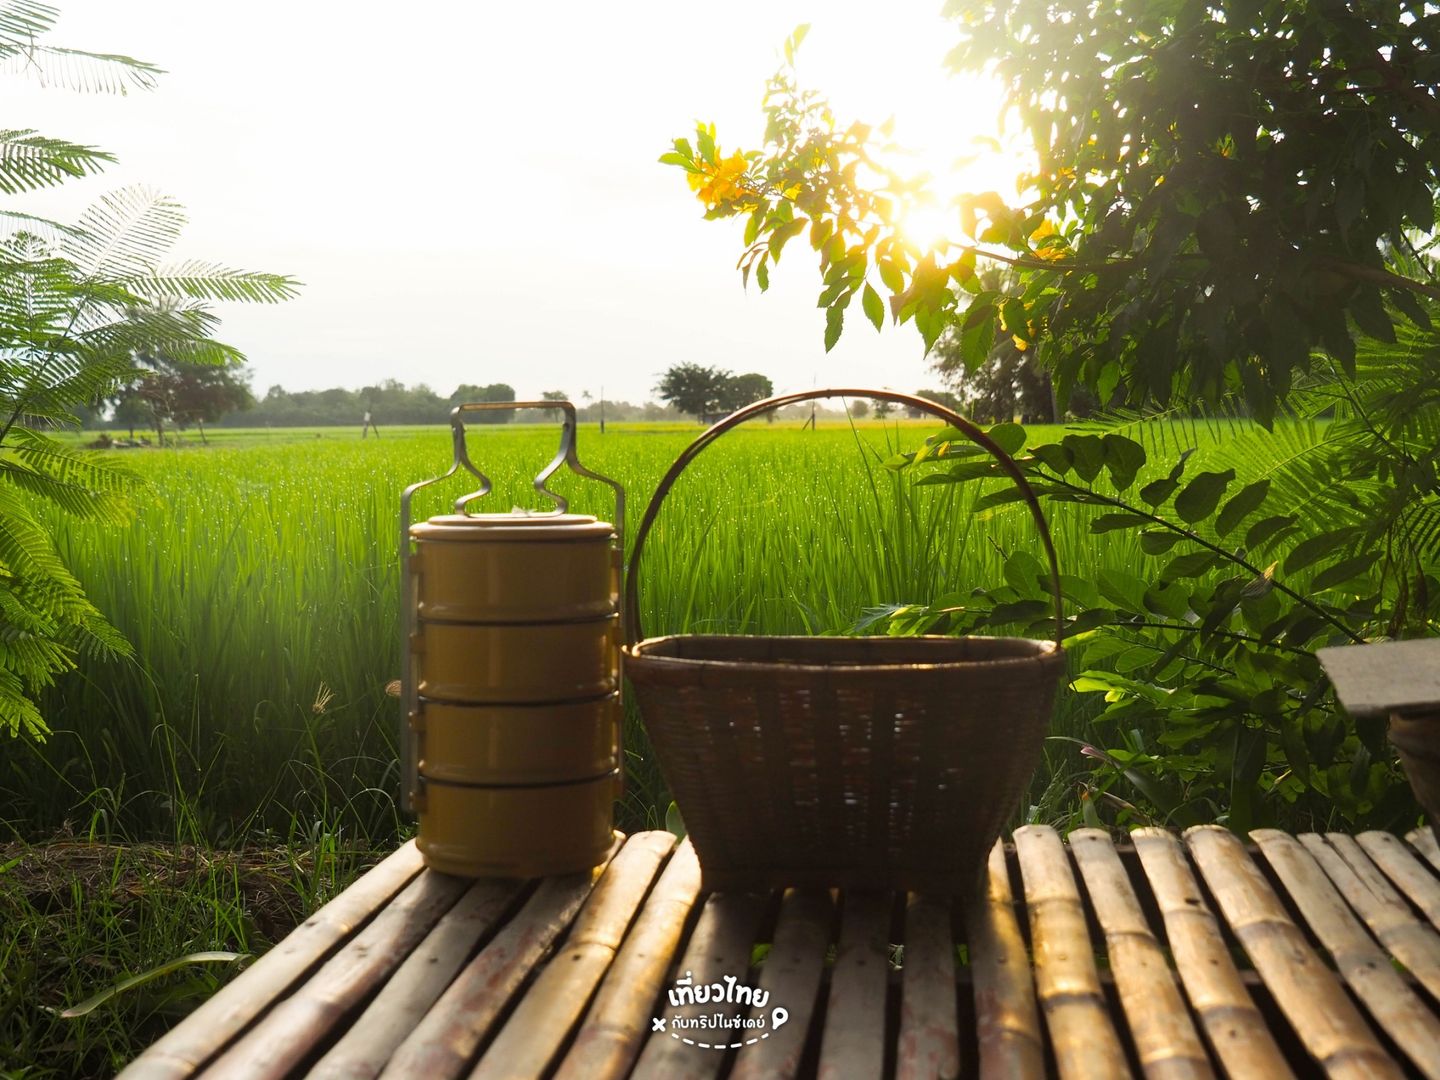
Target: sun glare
(964,153)
(946,127)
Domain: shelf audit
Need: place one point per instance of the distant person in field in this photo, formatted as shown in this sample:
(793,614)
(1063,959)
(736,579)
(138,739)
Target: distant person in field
(370,426)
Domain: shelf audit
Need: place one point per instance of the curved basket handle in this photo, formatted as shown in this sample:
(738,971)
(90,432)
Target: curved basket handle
(633,632)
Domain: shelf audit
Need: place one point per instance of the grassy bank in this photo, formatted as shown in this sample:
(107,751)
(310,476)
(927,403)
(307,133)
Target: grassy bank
(78,918)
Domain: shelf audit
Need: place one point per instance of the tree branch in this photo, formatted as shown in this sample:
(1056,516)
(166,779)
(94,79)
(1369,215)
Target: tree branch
(1379,275)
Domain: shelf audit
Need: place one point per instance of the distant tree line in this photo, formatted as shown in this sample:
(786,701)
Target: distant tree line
(174,397)
(391,402)
(167,396)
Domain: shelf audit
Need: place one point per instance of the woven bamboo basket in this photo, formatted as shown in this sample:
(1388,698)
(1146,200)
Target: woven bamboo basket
(869,762)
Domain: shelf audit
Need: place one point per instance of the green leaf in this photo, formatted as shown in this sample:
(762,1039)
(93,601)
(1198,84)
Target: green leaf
(1159,541)
(1405,300)
(1202,495)
(891,275)
(874,306)
(1057,456)
(794,41)
(1088,620)
(973,469)
(1124,458)
(1019,611)
(1342,572)
(975,346)
(1124,590)
(1079,589)
(706,144)
(90,1004)
(673,158)
(1016,319)
(1157,491)
(1110,522)
(1368,310)
(1189,566)
(1313,548)
(976,315)
(1268,528)
(1170,600)
(999,497)
(1009,437)
(1303,630)
(834,324)
(753,224)
(674,823)
(782,234)
(1025,575)
(1241,505)
(1088,454)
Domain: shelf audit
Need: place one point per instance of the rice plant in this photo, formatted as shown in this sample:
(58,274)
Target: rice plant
(259,589)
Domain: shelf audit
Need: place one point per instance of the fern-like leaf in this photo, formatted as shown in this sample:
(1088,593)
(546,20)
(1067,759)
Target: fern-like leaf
(17,712)
(211,281)
(29,161)
(75,499)
(125,233)
(46,455)
(78,69)
(49,231)
(22,22)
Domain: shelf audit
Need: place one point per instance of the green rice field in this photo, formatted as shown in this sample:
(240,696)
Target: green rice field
(258,585)
(215,790)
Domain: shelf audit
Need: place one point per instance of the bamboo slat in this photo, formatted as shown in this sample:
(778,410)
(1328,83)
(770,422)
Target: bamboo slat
(1385,911)
(1423,841)
(288,1033)
(1312,999)
(403,1001)
(1359,960)
(1237,1032)
(1160,1026)
(791,976)
(1082,1033)
(619,1019)
(929,1043)
(720,945)
(210,1027)
(442,1044)
(1006,1020)
(1415,880)
(535,1031)
(854,1041)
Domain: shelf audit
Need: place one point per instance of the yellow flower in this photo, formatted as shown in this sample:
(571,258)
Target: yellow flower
(722,182)
(1050,252)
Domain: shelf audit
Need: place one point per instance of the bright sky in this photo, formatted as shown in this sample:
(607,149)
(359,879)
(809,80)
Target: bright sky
(470,192)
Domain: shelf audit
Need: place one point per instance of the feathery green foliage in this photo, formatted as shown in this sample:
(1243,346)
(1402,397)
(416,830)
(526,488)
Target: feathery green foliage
(77,305)
(1323,531)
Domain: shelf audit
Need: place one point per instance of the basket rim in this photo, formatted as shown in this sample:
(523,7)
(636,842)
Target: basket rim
(1046,652)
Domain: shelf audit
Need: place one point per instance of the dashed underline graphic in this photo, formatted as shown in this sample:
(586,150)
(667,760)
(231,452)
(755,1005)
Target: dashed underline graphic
(719,1046)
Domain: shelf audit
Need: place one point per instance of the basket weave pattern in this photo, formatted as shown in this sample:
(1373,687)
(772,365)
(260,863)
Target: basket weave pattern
(851,762)
(884,763)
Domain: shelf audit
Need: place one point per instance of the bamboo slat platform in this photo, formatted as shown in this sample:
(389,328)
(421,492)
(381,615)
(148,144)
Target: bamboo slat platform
(1167,956)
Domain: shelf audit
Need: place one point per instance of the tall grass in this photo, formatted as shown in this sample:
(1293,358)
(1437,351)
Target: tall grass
(259,587)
